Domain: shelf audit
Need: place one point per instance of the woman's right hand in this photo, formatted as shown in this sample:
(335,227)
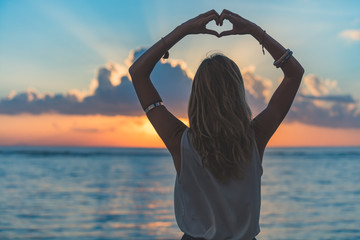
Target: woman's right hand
(198,24)
(241,25)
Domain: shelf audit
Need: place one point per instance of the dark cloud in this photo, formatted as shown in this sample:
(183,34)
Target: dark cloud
(31,102)
(172,83)
(331,98)
(337,114)
(316,104)
(92,130)
(257,90)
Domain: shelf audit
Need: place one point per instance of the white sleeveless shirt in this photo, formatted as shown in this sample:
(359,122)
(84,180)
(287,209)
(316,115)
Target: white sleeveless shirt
(206,208)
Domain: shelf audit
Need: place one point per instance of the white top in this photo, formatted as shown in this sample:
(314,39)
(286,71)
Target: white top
(206,208)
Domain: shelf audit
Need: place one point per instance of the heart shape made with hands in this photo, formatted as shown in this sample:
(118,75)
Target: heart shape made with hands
(227,25)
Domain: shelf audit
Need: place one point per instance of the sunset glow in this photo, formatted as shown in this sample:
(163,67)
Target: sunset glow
(66,83)
(121,131)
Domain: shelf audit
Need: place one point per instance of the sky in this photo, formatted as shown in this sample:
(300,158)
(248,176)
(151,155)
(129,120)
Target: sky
(64,68)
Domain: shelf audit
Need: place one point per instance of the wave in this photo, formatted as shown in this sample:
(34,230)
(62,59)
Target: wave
(81,151)
(314,152)
(298,153)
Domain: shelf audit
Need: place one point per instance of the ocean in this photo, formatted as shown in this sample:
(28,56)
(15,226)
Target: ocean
(115,193)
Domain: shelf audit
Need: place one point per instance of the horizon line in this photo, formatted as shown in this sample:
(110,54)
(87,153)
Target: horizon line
(132,147)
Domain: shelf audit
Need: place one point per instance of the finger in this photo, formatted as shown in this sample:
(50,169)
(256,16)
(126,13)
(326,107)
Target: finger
(211,17)
(223,14)
(226,11)
(217,18)
(226,14)
(222,17)
(229,17)
(226,33)
(210,13)
(211,32)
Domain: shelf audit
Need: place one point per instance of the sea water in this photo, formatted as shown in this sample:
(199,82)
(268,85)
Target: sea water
(109,193)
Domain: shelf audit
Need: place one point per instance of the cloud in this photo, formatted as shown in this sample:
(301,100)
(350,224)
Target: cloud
(332,98)
(257,89)
(318,105)
(112,93)
(319,101)
(337,115)
(314,85)
(353,35)
(92,130)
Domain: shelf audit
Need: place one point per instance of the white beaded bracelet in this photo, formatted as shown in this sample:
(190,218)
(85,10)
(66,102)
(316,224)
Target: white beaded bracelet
(152,106)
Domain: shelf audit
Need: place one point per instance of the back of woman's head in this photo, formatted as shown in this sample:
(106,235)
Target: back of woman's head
(220,118)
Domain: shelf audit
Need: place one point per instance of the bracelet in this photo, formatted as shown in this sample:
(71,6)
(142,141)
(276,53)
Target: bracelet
(283,59)
(166,55)
(262,41)
(152,106)
(277,62)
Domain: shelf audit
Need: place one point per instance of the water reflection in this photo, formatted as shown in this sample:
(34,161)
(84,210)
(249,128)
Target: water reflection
(87,197)
(130,196)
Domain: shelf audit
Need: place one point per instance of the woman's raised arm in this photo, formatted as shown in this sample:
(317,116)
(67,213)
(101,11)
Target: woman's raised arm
(266,123)
(168,127)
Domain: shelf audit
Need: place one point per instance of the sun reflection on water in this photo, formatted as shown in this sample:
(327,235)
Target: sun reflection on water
(131,196)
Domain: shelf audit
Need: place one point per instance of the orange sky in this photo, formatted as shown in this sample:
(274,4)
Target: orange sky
(122,131)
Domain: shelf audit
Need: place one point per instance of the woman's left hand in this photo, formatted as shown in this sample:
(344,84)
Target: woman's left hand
(198,24)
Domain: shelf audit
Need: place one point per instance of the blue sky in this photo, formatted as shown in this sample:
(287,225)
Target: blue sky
(55,46)
(64,80)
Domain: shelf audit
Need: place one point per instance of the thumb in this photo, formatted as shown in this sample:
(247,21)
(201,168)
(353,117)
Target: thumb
(226,33)
(211,32)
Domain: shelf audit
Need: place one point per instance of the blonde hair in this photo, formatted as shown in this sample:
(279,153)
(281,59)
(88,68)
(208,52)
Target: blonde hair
(220,118)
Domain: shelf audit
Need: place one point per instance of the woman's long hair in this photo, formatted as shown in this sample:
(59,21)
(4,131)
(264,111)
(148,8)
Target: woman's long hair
(220,118)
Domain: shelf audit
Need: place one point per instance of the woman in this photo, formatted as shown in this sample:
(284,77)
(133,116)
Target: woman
(218,159)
